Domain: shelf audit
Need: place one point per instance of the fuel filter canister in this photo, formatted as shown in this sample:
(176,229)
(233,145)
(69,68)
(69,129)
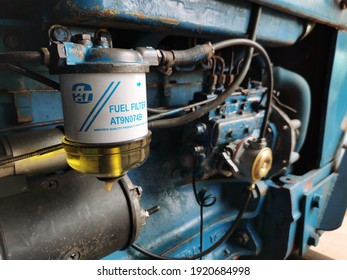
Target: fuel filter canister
(105,111)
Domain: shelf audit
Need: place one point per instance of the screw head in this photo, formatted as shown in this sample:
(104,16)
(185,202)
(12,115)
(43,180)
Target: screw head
(50,185)
(73,255)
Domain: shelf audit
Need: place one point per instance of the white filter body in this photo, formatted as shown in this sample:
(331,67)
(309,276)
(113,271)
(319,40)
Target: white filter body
(104,108)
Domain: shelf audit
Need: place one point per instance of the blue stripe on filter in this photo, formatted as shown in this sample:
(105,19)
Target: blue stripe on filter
(96,105)
(102,106)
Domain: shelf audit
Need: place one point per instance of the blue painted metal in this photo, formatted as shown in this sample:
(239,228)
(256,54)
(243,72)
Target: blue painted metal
(22,101)
(322,11)
(285,215)
(174,230)
(205,17)
(275,134)
(236,118)
(47,105)
(297,186)
(45,102)
(177,88)
(225,131)
(75,53)
(315,202)
(337,203)
(86,56)
(336,102)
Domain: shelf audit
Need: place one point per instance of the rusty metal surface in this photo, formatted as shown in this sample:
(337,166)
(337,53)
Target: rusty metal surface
(203,17)
(328,12)
(22,101)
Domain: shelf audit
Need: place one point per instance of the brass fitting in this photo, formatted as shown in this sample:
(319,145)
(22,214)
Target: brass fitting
(262,164)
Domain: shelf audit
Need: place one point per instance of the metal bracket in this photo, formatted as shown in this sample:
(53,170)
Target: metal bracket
(22,102)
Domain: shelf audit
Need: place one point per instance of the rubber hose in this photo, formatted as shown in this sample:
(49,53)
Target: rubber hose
(20,56)
(294,92)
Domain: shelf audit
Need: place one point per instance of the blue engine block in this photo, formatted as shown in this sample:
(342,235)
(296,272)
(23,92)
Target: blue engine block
(302,196)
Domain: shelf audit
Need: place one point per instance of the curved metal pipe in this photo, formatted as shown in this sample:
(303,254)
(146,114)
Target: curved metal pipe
(296,93)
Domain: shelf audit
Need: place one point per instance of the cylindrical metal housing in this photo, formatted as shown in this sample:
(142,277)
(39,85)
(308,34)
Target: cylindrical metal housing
(105,110)
(253,158)
(69,216)
(26,142)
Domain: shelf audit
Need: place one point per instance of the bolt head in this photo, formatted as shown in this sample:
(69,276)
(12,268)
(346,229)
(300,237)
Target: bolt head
(61,55)
(199,129)
(59,33)
(242,238)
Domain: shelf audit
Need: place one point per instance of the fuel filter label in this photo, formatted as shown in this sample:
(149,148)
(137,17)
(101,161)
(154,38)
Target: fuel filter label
(104,108)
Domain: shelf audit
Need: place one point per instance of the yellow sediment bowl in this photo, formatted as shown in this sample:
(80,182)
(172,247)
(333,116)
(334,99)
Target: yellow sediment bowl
(107,161)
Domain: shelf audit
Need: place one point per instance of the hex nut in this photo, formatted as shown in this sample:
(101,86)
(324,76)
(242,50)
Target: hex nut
(82,37)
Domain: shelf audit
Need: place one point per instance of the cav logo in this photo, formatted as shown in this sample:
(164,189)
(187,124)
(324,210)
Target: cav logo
(82,93)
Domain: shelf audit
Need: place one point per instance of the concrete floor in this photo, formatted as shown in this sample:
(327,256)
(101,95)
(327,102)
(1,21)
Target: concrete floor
(332,244)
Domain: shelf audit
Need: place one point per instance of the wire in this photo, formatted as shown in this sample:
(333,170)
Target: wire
(199,113)
(177,110)
(182,120)
(30,125)
(35,76)
(157,110)
(213,247)
(222,97)
(32,154)
(284,105)
(202,200)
